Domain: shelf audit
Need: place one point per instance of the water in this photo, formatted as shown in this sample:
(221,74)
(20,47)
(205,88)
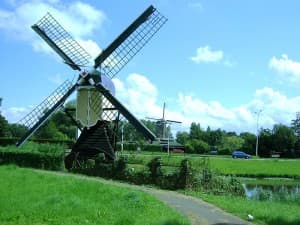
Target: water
(266,192)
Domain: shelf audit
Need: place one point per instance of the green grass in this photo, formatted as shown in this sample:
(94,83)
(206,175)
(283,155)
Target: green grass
(264,212)
(272,182)
(228,166)
(257,168)
(33,147)
(30,197)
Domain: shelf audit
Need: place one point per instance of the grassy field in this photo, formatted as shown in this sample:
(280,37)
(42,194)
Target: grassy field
(28,197)
(267,212)
(228,166)
(257,168)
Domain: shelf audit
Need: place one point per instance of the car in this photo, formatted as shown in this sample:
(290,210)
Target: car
(241,155)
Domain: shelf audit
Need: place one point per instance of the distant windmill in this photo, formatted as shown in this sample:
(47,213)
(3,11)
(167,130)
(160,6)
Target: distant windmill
(161,124)
(161,130)
(98,111)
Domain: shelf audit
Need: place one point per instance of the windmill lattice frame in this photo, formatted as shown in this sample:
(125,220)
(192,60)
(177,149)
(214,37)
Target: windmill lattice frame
(99,136)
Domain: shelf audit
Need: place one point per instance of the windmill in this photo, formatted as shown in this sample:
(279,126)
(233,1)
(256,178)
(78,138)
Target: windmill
(98,111)
(161,124)
(161,130)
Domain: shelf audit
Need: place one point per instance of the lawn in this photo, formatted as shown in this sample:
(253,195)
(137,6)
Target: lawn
(268,212)
(29,197)
(257,168)
(226,165)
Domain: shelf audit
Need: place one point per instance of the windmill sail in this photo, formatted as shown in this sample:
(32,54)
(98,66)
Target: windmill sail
(61,42)
(130,42)
(43,111)
(126,113)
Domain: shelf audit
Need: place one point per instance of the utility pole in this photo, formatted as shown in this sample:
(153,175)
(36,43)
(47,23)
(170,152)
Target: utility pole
(256,147)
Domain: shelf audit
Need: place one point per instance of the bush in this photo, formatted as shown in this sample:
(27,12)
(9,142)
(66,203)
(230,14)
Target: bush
(44,156)
(155,170)
(133,146)
(152,147)
(5,141)
(189,148)
(186,175)
(197,146)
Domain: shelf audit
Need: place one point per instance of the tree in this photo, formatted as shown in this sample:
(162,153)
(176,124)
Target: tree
(17,130)
(284,138)
(200,146)
(49,131)
(230,143)
(4,127)
(296,124)
(215,137)
(182,137)
(265,146)
(249,142)
(195,131)
(64,124)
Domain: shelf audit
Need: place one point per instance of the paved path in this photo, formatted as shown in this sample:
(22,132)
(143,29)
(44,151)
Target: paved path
(199,212)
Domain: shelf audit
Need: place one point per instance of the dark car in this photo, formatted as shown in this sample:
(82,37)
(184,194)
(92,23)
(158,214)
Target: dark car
(240,154)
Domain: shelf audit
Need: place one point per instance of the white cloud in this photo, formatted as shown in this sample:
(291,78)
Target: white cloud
(205,54)
(195,5)
(91,47)
(14,114)
(78,18)
(287,69)
(141,96)
(138,94)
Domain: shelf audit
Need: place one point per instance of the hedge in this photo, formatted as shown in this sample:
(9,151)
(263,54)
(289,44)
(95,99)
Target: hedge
(5,141)
(176,178)
(40,156)
(133,146)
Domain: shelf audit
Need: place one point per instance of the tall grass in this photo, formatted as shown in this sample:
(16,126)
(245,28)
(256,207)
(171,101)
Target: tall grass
(28,197)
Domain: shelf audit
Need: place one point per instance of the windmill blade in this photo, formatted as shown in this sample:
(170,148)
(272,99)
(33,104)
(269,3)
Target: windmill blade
(150,118)
(43,111)
(130,42)
(173,121)
(61,42)
(125,112)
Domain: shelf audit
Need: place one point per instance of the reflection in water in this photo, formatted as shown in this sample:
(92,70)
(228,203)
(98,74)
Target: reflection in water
(265,192)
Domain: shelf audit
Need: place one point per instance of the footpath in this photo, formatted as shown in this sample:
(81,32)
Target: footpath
(198,211)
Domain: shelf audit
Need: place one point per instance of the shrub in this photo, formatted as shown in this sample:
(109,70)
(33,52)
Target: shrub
(42,156)
(189,148)
(186,175)
(5,141)
(155,170)
(133,146)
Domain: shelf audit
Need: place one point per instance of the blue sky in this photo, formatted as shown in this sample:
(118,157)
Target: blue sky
(213,62)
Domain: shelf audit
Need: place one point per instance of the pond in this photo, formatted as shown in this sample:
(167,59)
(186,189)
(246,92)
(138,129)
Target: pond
(272,192)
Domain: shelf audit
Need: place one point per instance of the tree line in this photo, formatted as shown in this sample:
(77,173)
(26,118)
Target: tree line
(281,139)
